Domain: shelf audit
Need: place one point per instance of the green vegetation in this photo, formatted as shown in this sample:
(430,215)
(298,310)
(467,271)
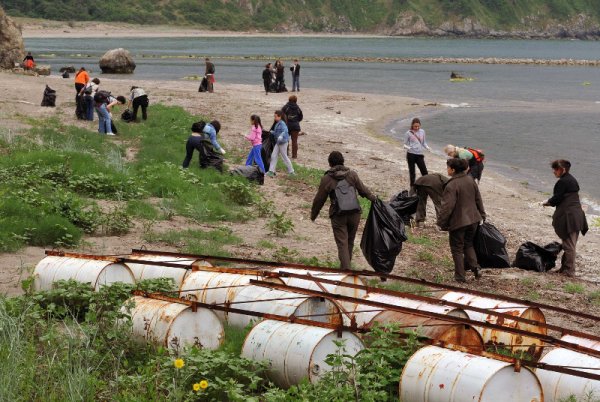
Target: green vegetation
(198,241)
(571,287)
(71,343)
(280,224)
(327,15)
(59,182)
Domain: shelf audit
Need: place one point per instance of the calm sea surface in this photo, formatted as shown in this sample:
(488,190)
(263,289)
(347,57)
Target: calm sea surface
(522,116)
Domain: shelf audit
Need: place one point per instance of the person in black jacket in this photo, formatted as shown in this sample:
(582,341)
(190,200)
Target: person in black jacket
(209,73)
(267,76)
(568,219)
(295,69)
(293,117)
(279,76)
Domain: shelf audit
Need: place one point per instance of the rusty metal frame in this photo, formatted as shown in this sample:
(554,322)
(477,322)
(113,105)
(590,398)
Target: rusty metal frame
(372,274)
(442,317)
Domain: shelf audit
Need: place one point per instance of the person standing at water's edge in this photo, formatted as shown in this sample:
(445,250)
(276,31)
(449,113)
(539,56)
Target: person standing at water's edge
(267,76)
(295,69)
(293,117)
(462,210)
(344,224)
(209,73)
(415,144)
(568,218)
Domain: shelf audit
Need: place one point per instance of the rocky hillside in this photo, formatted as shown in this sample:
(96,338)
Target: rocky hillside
(471,18)
(11,42)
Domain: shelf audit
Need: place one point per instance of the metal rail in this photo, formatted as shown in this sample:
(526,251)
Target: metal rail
(376,275)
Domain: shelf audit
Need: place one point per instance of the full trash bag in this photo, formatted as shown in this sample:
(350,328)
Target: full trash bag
(267,148)
(404,205)
(490,247)
(252,173)
(532,257)
(49,97)
(383,236)
(209,157)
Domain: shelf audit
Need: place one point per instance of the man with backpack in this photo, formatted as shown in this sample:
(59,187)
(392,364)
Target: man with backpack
(104,102)
(340,184)
(293,117)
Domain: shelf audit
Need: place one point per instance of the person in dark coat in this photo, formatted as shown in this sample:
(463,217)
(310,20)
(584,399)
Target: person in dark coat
(295,69)
(209,73)
(430,185)
(293,117)
(462,210)
(568,218)
(279,76)
(344,225)
(267,76)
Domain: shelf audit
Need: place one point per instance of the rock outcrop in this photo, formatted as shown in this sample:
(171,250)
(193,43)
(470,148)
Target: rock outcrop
(12,49)
(117,61)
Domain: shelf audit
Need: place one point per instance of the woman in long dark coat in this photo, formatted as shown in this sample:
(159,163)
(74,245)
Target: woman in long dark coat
(568,219)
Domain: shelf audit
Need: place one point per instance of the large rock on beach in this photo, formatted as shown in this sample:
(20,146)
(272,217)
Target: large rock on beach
(117,61)
(12,49)
(43,69)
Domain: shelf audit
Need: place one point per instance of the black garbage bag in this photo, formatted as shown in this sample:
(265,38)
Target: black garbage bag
(209,157)
(203,85)
(113,128)
(127,116)
(267,148)
(404,205)
(490,247)
(532,257)
(252,173)
(383,236)
(49,97)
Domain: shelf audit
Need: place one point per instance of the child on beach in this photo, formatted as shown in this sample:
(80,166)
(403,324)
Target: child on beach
(255,138)
(280,137)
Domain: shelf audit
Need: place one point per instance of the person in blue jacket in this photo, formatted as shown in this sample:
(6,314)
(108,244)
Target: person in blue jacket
(280,137)
(204,140)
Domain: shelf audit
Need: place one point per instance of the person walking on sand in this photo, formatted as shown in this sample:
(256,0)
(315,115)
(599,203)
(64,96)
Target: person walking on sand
(568,218)
(473,156)
(137,99)
(461,211)
(344,224)
(415,144)
(280,138)
(209,73)
(295,69)
(293,117)
(267,76)
(430,185)
(255,138)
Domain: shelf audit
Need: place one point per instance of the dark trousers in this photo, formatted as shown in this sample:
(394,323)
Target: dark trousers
(294,136)
(78,88)
(193,143)
(463,253)
(344,231)
(567,262)
(267,84)
(140,101)
(424,193)
(413,160)
(475,170)
(89,107)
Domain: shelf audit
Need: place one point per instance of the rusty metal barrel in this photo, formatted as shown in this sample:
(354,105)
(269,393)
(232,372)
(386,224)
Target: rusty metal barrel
(514,342)
(560,387)
(443,331)
(95,272)
(217,287)
(287,304)
(150,271)
(175,325)
(435,374)
(296,352)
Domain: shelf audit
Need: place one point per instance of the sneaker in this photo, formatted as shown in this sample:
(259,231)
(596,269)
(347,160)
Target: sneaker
(292,174)
(110,134)
(270,174)
(477,273)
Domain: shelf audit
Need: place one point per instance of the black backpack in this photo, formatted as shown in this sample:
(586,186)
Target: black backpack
(101,97)
(345,195)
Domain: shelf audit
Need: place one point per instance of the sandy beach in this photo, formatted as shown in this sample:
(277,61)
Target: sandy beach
(348,122)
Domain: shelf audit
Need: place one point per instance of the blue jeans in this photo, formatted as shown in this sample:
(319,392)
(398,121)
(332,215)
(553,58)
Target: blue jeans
(103,119)
(254,156)
(89,107)
(296,83)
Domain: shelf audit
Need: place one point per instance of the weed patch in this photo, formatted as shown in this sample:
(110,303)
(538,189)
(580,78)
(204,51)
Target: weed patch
(574,288)
(198,241)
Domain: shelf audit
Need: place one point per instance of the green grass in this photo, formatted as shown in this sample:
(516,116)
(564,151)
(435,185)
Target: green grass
(595,297)
(574,288)
(142,209)
(266,244)
(198,241)
(422,240)
(400,286)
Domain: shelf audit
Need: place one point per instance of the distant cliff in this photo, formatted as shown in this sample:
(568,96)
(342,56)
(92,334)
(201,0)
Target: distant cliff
(468,18)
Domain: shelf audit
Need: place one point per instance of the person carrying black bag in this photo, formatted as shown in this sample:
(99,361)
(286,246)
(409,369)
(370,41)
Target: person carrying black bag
(340,184)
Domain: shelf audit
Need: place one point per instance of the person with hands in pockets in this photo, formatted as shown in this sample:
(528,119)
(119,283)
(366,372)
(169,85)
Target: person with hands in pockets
(280,137)
(462,210)
(415,144)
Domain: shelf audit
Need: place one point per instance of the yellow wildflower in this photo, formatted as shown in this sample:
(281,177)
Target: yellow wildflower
(179,363)
(196,387)
(203,384)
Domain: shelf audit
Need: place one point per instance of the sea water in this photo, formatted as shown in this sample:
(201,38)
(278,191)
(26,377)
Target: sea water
(522,116)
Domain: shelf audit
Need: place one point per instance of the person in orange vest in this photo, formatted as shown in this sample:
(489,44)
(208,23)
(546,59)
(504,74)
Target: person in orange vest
(81,79)
(28,62)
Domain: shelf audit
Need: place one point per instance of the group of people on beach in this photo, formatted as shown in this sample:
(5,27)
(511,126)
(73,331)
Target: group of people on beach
(89,98)
(274,77)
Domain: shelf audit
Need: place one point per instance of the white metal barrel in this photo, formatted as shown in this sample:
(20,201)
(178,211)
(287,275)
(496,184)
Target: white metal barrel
(149,271)
(287,304)
(175,325)
(588,343)
(364,314)
(327,287)
(216,287)
(560,387)
(435,374)
(296,352)
(516,343)
(95,272)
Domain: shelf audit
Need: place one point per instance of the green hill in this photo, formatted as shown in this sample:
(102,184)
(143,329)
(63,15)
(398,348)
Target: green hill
(437,17)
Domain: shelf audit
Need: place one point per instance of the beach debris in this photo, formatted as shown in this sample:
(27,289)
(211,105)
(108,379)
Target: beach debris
(68,69)
(431,104)
(117,61)
(43,69)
